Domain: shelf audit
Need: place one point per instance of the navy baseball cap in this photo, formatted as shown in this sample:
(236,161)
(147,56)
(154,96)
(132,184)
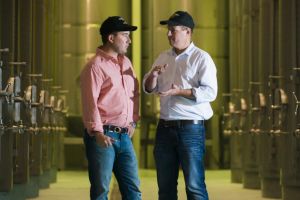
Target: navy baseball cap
(180,18)
(115,24)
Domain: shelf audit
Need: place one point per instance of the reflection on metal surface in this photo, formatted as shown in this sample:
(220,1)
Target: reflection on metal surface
(258,113)
(227,111)
(279,108)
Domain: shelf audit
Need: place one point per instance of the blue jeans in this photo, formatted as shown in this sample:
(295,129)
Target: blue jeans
(180,146)
(119,158)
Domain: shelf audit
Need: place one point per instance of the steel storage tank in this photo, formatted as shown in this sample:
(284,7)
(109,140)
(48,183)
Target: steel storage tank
(255,98)
(289,63)
(235,16)
(269,141)
(24,41)
(8,42)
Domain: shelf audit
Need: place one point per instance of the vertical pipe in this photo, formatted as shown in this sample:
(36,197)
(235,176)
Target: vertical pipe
(38,37)
(235,69)
(149,101)
(136,58)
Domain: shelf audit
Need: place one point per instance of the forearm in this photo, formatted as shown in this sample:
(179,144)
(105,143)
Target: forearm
(150,83)
(187,93)
(97,133)
(136,114)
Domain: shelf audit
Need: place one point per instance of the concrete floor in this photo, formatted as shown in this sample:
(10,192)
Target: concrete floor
(75,185)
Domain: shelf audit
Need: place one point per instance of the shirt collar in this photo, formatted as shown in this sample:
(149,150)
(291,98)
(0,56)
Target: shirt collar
(99,51)
(188,51)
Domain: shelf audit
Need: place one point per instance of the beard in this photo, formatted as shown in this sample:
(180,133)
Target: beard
(120,50)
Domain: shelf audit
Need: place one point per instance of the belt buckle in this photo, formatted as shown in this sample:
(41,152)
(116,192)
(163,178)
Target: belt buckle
(117,129)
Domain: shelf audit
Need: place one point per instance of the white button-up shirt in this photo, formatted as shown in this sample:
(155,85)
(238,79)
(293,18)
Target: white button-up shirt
(192,69)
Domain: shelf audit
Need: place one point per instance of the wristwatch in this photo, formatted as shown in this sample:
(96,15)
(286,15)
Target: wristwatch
(132,124)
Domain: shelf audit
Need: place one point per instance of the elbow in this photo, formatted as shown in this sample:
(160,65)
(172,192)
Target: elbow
(209,96)
(214,95)
(148,90)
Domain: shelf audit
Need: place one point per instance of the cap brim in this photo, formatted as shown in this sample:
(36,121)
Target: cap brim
(169,22)
(128,28)
(164,22)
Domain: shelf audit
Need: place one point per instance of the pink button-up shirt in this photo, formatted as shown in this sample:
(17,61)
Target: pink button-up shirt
(109,92)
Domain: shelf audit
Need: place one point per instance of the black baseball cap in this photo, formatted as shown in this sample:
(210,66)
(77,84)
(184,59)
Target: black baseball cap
(115,24)
(180,18)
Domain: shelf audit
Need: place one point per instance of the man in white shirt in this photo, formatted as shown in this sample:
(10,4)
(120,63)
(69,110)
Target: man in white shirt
(185,78)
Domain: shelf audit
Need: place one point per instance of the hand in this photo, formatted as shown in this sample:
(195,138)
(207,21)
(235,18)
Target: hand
(175,90)
(151,81)
(103,140)
(131,129)
(157,70)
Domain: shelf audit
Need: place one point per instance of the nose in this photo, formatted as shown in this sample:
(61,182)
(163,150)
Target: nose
(169,33)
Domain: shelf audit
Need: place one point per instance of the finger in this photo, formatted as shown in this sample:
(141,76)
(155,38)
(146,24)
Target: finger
(174,86)
(131,132)
(163,94)
(112,140)
(104,144)
(157,68)
(108,143)
(163,68)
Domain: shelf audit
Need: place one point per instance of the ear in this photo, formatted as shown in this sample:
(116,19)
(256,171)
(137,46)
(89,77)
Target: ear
(111,38)
(189,31)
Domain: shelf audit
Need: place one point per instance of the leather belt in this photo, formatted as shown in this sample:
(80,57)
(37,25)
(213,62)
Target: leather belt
(179,123)
(116,129)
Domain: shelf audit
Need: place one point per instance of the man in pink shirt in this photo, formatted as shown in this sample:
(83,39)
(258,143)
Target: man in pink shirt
(110,103)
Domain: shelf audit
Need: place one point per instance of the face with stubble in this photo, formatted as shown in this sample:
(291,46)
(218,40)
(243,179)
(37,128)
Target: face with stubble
(121,41)
(179,36)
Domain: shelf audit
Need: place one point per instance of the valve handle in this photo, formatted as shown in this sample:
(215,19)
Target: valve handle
(17,63)
(4,50)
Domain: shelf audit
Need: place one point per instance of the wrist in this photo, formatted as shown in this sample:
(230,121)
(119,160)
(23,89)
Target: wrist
(96,133)
(154,74)
(132,124)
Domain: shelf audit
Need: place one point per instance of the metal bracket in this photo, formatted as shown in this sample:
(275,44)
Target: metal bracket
(297,103)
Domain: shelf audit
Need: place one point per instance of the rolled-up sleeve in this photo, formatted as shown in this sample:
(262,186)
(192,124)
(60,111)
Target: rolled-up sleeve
(90,83)
(147,75)
(208,86)
(144,87)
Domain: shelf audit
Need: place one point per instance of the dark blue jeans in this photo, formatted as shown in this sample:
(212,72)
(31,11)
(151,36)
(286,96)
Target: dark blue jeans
(180,146)
(119,158)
